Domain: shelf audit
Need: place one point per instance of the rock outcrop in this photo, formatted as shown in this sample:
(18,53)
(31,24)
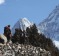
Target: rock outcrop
(22,50)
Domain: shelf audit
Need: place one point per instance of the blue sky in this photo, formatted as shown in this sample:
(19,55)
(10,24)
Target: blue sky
(35,10)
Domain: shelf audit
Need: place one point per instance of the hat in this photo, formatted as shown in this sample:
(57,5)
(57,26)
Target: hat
(8,25)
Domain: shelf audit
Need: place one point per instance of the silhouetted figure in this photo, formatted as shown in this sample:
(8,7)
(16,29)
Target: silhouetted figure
(7,32)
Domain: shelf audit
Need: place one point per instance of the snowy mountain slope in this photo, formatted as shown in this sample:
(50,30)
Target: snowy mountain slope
(50,26)
(22,24)
(56,43)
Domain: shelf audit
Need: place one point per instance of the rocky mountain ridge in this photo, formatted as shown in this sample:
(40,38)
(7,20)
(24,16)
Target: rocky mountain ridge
(22,50)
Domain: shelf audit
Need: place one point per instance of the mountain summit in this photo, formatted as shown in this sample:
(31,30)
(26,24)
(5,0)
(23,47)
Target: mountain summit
(50,26)
(22,24)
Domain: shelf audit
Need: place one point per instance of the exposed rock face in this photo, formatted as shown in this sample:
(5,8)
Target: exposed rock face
(22,50)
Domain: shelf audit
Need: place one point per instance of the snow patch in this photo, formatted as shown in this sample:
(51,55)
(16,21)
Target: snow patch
(56,43)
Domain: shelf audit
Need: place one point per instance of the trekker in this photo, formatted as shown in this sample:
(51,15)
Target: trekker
(7,32)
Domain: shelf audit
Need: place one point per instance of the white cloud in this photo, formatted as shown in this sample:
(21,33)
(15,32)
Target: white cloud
(56,43)
(2,1)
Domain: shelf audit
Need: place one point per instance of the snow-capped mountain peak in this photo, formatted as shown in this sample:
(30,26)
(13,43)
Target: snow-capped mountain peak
(22,24)
(50,26)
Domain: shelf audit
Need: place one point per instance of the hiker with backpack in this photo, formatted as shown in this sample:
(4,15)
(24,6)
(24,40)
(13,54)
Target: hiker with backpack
(7,32)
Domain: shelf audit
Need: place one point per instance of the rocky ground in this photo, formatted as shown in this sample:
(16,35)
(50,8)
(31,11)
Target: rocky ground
(22,50)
